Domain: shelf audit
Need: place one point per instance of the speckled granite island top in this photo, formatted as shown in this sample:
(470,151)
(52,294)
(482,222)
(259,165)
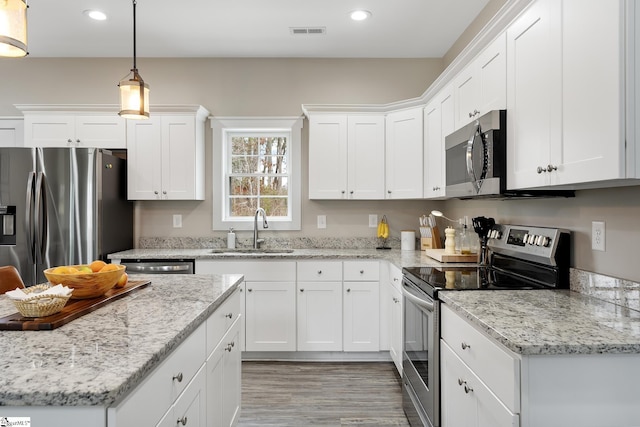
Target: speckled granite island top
(98,358)
(538,322)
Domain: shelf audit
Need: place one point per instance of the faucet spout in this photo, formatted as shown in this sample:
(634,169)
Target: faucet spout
(265,224)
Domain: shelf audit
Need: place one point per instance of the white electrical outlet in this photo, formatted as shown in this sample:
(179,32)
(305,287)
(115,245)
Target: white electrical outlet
(177,221)
(598,236)
(373,221)
(322,221)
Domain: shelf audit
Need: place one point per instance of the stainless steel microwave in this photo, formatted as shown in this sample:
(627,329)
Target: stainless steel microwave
(475,157)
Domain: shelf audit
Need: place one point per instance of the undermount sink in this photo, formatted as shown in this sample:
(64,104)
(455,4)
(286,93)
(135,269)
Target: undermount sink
(251,251)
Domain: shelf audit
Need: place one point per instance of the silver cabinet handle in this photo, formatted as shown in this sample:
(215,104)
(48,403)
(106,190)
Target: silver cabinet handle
(228,348)
(249,290)
(178,377)
(465,346)
(461,381)
(389,191)
(319,271)
(182,421)
(361,271)
(467,389)
(343,191)
(395,279)
(551,168)
(348,289)
(541,169)
(302,290)
(229,316)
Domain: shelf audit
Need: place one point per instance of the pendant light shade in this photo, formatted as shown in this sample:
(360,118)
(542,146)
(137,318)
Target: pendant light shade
(134,92)
(13,28)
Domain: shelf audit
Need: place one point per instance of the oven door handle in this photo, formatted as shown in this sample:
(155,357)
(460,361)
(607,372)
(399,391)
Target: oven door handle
(421,302)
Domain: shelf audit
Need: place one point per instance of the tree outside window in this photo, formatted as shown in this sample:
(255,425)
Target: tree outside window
(258,175)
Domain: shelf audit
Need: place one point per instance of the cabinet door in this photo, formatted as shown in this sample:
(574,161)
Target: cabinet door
(100,131)
(466,401)
(361,316)
(396,328)
(271,316)
(328,156)
(467,94)
(49,131)
(534,93)
(232,373)
(593,136)
(180,172)
(11,132)
(439,121)
(319,316)
(403,164)
(144,159)
(491,67)
(191,406)
(365,136)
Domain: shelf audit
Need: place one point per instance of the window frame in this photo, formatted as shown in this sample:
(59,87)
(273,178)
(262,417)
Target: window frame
(226,126)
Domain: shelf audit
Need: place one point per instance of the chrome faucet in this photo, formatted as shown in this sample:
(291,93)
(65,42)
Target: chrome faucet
(265,224)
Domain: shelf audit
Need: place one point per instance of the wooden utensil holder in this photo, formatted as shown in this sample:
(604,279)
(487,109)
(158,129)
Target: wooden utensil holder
(432,242)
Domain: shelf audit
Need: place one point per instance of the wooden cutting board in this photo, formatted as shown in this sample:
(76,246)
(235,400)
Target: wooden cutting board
(72,310)
(439,255)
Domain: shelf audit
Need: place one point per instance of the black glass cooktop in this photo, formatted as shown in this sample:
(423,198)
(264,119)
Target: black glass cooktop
(432,279)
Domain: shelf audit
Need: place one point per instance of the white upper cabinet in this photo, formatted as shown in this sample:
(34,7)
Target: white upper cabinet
(404,154)
(346,156)
(481,86)
(438,123)
(166,156)
(566,95)
(99,130)
(11,132)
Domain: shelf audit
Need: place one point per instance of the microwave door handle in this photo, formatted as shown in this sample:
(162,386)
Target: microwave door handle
(470,171)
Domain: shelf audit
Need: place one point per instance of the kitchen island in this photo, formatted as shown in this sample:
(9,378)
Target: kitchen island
(73,374)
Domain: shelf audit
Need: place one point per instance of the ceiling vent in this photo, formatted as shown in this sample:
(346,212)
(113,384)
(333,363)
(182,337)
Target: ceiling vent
(302,31)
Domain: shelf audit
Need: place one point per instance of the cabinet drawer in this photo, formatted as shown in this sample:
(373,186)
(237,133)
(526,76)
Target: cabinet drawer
(466,400)
(395,277)
(256,271)
(361,270)
(321,271)
(222,319)
(497,368)
(154,396)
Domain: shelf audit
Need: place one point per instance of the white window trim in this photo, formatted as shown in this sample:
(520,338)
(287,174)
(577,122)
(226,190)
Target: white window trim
(221,125)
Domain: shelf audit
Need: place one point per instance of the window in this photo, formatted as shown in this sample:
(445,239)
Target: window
(256,165)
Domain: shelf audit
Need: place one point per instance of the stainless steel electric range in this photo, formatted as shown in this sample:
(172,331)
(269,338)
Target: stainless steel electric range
(516,257)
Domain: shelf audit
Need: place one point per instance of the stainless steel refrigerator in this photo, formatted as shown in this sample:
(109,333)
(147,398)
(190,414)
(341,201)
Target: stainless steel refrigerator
(61,206)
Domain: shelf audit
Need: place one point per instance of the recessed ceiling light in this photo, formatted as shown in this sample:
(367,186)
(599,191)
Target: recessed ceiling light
(360,15)
(95,14)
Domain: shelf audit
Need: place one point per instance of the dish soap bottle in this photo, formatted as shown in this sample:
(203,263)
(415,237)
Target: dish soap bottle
(231,239)
(465,238)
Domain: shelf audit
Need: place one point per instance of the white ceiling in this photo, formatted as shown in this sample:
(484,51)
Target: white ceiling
(248,28)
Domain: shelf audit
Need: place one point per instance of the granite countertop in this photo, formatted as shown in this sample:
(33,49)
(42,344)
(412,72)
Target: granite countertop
(548,322)
(397,257)
(98,358)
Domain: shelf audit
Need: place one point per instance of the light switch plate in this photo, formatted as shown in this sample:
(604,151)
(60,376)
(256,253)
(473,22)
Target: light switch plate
(322,221)
(373,221)
(177,221)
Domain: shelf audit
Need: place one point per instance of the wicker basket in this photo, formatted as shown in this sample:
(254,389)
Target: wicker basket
(40,305)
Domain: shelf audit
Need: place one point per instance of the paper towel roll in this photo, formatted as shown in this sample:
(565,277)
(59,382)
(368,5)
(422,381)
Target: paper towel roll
(408,240)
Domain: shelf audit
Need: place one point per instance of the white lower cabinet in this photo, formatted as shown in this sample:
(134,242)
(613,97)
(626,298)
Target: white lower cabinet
(223,380)
(271,316)
(199,382)
(466,400)
(319,306)
(395,301)
(361,306)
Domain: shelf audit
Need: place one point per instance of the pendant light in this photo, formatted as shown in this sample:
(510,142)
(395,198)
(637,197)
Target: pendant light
(134,92)
(13,28)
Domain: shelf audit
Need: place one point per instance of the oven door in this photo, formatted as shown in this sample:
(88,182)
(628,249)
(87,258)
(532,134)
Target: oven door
(421,356)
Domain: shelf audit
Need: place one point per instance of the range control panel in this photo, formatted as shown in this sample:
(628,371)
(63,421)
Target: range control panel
(538,244)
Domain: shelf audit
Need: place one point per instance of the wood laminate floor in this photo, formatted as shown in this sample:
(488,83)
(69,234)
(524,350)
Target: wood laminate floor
(321,394)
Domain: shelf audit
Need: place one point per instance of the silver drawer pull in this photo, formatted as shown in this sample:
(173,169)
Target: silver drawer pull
(467,389)
(178,377)
(229,316)
(302,290)
(319,271)
(361,271)
(460,381)
(465,346)
(348,289)
(182,421)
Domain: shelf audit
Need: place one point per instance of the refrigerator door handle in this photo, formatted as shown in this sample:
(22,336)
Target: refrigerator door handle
(41,222)
(28,218)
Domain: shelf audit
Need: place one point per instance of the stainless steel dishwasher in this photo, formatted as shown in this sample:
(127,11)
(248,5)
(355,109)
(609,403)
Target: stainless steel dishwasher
(159,266)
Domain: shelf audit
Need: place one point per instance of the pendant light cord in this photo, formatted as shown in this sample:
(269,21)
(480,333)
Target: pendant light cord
(134,34)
